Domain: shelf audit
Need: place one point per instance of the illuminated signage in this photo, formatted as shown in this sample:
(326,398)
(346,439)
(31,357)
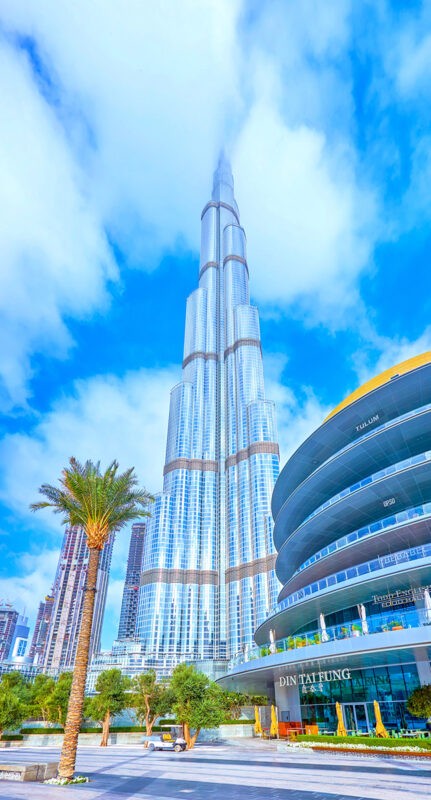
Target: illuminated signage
(310,678)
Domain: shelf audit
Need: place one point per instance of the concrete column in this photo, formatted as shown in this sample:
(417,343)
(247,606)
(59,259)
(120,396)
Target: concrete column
(423,665)
(288,702)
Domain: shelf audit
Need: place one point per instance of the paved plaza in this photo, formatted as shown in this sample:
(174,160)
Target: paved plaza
(225,772)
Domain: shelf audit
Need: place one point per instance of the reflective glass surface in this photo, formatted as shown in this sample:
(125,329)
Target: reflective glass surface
(206,583)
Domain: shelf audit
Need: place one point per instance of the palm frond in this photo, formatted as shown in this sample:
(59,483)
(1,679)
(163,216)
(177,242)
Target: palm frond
(99,502)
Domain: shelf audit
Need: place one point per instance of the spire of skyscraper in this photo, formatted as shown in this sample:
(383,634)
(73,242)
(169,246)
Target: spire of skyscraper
(223,179)
(208,564)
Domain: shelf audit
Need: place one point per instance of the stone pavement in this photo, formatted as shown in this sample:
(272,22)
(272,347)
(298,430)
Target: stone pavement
(226,772)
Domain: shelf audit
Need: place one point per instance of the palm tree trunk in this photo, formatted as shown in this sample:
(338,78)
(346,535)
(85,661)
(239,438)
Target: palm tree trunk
(76,701)
(105,729)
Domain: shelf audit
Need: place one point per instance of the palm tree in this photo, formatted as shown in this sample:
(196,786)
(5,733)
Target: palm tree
(100,504)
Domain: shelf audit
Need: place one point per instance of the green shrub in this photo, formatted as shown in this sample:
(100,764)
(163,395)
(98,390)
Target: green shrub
(370,741)
(238,722)
(167,721)
(88,729)
(11,737)
(42,730)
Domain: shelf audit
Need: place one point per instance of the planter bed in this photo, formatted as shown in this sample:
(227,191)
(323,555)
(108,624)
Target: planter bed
(372,751)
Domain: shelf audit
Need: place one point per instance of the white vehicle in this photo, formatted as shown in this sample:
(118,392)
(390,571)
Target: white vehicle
(164,741)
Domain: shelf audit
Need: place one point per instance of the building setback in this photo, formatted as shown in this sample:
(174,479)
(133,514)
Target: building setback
(208,564)
(63,630)
(129,605)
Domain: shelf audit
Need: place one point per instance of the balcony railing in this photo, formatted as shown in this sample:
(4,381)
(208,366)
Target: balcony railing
(376,623)
(350,573)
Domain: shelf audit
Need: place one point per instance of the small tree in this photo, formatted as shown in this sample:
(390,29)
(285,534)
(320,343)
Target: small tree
(234,701)
(40,692)
(58,699)
(199,702)
(111,699)
(419,702)
(150,699)
(13,709)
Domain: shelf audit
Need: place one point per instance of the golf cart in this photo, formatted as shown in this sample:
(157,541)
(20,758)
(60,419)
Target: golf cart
(172,740)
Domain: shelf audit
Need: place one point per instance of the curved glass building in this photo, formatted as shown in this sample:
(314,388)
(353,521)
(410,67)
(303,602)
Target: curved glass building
(352,511)
(208,575)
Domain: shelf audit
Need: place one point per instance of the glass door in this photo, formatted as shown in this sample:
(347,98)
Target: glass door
(361,712)
(356,717)
(349,716)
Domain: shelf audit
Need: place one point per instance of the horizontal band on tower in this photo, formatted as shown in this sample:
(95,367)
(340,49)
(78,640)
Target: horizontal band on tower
(201,464)
(251,568)
(213,204)
(236,258)
(252,450)
(184,576)
(200,354)
(242,343)
(206,266)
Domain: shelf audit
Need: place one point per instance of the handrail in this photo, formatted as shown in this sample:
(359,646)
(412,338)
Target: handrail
(374,623)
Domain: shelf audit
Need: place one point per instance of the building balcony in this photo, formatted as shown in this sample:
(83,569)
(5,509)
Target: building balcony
(304,644)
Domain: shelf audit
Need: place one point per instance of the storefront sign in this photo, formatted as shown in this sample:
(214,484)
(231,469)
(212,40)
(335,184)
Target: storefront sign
(310,678)
(367,422)
(400,597)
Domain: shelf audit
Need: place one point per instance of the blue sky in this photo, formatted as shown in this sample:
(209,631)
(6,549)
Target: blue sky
(112,119)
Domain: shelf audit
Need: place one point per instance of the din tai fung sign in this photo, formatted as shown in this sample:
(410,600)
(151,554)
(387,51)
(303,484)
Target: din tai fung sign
(309,679)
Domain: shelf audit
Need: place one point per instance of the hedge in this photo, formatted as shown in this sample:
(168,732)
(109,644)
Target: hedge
(238,722)
(42,730)
(11,737)
(369,741)
(121,729)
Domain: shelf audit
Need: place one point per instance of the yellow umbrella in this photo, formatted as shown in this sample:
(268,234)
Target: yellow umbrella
(341,730)
(273,730)
(380,728)
(257,723)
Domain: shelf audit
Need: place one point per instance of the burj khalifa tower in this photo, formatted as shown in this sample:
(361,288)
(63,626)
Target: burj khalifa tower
(208,575)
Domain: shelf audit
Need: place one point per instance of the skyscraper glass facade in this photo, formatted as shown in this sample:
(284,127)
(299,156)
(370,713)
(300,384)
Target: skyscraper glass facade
(208,564)
(129,605)
(59,650)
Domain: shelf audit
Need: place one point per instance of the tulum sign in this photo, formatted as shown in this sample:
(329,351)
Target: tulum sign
(367,422)
(309,678)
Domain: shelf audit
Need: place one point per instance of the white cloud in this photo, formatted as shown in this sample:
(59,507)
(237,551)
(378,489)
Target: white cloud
(391,352)
(297,416)
(155,86)
(33,580)
(54,258)
(308,225)
(106,417)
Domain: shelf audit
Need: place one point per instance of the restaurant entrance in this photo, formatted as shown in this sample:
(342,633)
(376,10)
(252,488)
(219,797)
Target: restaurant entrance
(356,717)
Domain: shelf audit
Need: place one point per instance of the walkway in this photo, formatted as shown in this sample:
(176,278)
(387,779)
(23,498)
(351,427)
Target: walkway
(225,772)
